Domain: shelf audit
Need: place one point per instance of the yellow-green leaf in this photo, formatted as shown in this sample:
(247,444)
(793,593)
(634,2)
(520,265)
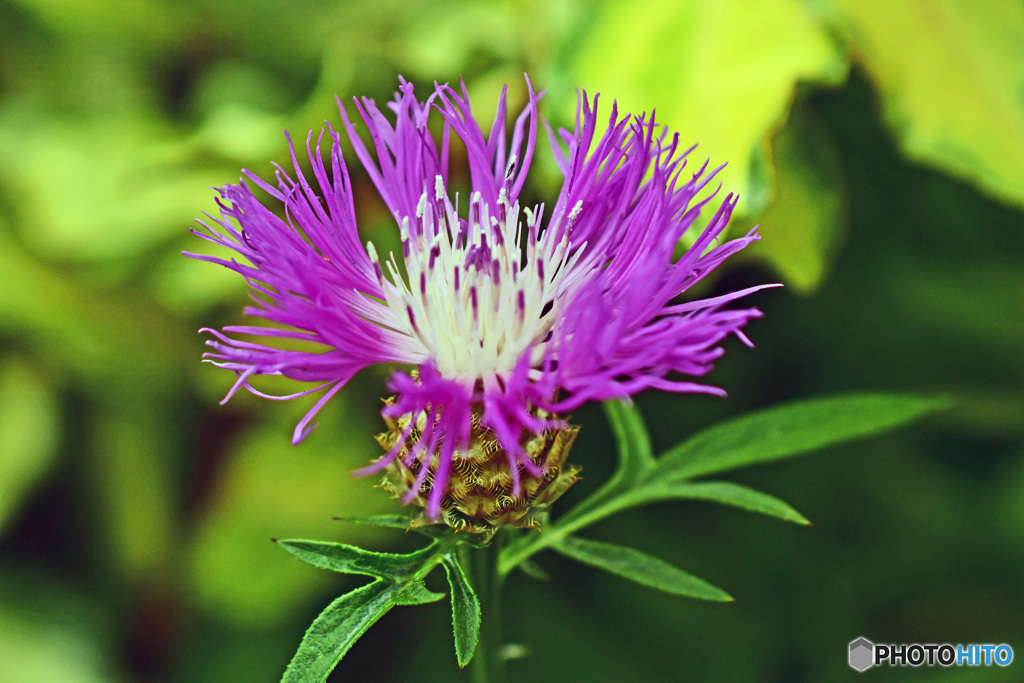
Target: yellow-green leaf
(721,74)
(951,75)
(807,216)
(29,426)
(101,187)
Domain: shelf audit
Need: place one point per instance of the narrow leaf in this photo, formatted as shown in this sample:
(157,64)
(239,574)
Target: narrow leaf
(349,559)
(333,632)
(640,567)
(788,430)
(723,492)
(533,570)
(465,611)
(389,521)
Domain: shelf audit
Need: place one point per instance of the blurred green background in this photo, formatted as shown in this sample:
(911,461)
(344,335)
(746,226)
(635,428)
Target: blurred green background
(880,145)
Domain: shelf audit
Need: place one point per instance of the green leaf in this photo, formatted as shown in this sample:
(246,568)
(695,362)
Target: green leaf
(762,436)
(147,183)
(435,531)
(29,430)
(723,492)
(719,73)
(533,570)
(416,593)
(389,521)
(950,74)
(332,633)
(349,559)
(444,533)
(802,227)
(465,611)
(637,566)
(788,430)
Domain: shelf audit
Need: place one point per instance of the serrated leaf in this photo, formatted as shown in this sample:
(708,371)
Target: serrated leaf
(349,559)
(788,430)
(332,633)
(950,74)
(724,492)
(636,566)
(416,593)
(465,611)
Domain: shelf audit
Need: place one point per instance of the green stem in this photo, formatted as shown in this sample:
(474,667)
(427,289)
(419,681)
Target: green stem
(482,564)
(528,544)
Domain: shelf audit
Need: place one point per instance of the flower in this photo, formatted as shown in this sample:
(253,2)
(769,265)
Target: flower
(508,318)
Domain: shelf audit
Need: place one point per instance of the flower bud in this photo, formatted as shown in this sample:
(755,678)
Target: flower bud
(480,493)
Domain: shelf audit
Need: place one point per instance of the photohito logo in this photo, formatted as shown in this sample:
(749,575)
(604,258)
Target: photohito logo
(864,654)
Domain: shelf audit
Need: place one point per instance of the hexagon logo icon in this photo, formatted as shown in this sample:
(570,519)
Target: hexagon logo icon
(862,654)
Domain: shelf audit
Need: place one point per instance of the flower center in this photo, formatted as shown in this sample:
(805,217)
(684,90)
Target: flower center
(480,291)
(481,493)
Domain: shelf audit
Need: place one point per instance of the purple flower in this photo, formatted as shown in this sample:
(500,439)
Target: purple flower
(508,317)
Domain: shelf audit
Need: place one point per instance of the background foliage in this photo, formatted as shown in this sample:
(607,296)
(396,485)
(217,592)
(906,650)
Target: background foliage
(880,146)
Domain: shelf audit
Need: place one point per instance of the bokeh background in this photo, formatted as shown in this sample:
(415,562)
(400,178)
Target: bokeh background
(879,144)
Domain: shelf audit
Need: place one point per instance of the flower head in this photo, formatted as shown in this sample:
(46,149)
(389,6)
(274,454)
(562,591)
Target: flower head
(508,317)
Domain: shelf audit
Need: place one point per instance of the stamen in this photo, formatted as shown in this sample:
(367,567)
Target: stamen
(574,214)
(478,294)
(412,319)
